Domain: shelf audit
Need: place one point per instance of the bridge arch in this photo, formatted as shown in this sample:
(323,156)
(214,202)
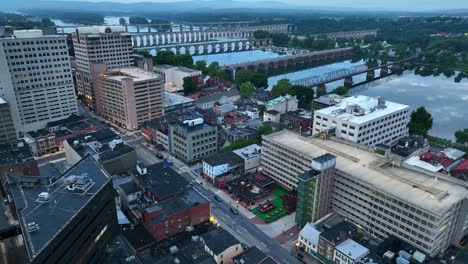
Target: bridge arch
(209,49)
(201,49)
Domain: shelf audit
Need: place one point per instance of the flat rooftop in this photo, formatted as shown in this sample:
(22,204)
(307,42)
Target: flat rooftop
(366,103)
(250,151)
(63,205)
(132,72)
(100,29)
(181,202)
(10,155)
(352,249)
(417,188)
(171,99)
(162,180)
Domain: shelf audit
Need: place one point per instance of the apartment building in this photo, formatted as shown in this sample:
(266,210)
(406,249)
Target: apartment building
(7,127)
(108,45)
(192,140)
(129,96)
(36,79)
(364,120)
(381,195)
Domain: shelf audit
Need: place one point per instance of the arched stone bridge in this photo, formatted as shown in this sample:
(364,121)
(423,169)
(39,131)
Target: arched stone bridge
(155,39)
(204,48)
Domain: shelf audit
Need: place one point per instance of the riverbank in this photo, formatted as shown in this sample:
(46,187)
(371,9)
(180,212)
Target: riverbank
(444,143)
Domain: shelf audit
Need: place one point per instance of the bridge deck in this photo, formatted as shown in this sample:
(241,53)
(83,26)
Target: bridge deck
(283,58)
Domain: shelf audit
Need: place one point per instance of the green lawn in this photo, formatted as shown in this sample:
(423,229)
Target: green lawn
(276,213)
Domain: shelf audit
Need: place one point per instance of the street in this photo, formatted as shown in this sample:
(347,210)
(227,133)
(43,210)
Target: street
(245,231)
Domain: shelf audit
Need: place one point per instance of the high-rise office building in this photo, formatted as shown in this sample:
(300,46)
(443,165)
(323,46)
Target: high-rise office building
(7,127)
(377,193)
(66,219)
(36,79)
(109,45)
(129,96)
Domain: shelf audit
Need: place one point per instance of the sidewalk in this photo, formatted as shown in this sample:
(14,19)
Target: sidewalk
(225,197)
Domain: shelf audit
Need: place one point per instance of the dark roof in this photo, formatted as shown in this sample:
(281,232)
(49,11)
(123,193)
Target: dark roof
(39,133)
(308,175)
(189,129)
(66,121)
(325,157)
(106,153)
(407,145)
(66,205)
(181,202)
(252,255)
(273,112)
(223,158)
(333,234)
(129,188)
(14,154)
(138,237)
(104,136)
(216,96)
(163,181)
(219,240)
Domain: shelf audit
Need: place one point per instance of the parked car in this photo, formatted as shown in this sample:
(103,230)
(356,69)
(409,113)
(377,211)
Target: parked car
(463,240)
(234,211)
(159,156)
(217,198)
(168,162)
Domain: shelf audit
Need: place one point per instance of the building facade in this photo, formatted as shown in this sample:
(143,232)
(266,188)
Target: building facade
(36,79)
(108,45)
(129,96)
(380,195)
(364,120)
(283,104)
(7,126)
(84,218)
(314,190)
(192,140)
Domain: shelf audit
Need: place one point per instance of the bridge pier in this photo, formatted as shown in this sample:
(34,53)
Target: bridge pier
(348,82)
(321,88)
(384,71)
(370,76)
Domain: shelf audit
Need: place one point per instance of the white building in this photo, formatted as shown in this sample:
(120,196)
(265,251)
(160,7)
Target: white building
(349,252)
(222,164)
(109,45)
(364,120)
(379,194)
(309,239)
(252,156)
(283,104)
(36,79)
(174,76)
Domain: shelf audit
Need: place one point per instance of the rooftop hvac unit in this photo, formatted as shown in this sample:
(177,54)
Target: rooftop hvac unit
(43,197)
(33,227)
(173,249)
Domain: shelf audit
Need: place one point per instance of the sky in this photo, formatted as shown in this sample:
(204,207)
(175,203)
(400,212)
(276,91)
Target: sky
(413,5)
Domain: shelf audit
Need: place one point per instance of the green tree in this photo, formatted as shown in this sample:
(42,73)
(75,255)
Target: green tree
(164,57)
(260,34)
(258,79)
(264,129)
(421,122)
(282,87)
(122,21)
(144,53)
(340,90)
(201,66)
(304,94)
(189,86)
(246,90)
(137,20)
(184,60)
(321,91)
(461,137)
(213,68)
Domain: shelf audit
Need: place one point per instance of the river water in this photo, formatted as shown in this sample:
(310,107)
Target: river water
(446,100)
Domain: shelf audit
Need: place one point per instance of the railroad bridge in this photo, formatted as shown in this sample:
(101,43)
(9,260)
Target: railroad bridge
(294,61)
(347,74)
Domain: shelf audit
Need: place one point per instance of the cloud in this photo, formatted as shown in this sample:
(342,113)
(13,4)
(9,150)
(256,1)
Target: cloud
(418,84)
(465,97)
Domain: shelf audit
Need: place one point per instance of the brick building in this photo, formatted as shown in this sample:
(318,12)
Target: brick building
(17,158)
